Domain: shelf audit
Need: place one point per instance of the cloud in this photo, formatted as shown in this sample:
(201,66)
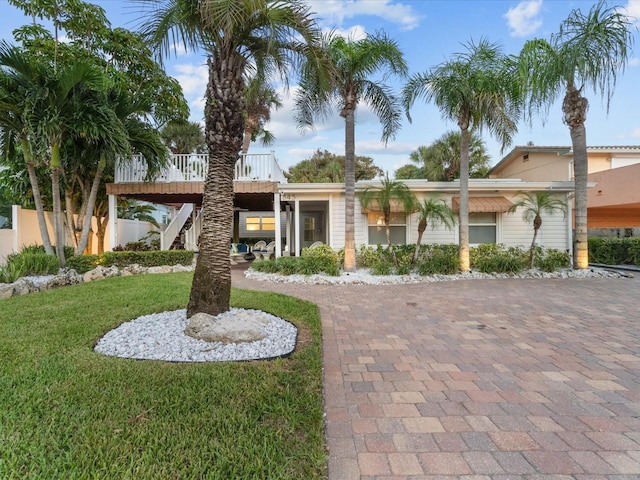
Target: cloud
(523,19)
(378,148)
(632,9)
(635,133)
(357,32)
(634,62)
(335,12)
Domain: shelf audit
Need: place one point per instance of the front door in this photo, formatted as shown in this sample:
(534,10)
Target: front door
(313,228)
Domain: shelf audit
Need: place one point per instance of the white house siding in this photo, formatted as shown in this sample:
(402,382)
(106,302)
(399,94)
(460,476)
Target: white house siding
(552,234)
(336,239)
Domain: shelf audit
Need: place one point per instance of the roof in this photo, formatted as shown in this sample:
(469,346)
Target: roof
(560,150)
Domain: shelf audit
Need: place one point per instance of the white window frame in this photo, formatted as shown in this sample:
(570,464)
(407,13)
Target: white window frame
(497,224)
(406,225)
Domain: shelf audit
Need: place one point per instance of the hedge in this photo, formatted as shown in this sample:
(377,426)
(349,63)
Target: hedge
(155,258)
(615,251)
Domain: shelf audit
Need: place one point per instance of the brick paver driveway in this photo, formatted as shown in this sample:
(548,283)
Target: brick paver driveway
(490,379)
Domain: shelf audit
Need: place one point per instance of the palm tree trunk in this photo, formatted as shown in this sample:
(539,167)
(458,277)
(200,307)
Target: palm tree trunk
(422,226)
(91,202)
(574,108)
(349,191)
(211,287)
(463,213)
(532,250)
(37,196)
(69,210)
(57,208)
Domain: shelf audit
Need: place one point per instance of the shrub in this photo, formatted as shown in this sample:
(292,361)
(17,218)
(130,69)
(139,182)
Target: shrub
(308,265)
(438,260)
(367,257)
(84,263)
(615,251)
(496,258)
(148,259)
(28,262)
(551,259)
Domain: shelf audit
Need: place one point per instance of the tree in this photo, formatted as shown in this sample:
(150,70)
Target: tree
(354,62)
(440,161)
(324,166)
(588,51)
(391,194)
(109,116)
(134,210)
(476,89)
(17,74)
(238,35)
(432,211)
(182,136)
(408,172)
(534,204)
(260,98)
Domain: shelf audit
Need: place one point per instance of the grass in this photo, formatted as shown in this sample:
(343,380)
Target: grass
(68,412)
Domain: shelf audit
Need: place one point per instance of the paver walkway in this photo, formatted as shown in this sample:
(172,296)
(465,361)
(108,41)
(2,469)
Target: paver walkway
(483,379)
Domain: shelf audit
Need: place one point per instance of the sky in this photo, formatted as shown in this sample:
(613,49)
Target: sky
(428,33)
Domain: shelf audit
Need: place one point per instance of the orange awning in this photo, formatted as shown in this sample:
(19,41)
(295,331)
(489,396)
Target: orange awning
(484,204)
(396,207)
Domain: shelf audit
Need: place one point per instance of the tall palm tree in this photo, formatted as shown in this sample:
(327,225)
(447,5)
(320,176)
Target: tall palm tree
(354,62)
(432,211)
(17,74)
(237,35)
(260,99)
(476,89)
(388,195)
(440,161)
(589,51)
(533,205)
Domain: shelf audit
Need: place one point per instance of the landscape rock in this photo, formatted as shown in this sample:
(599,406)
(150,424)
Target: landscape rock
(100,272)
(181,268)
(161,269)
(225,329)
(6,290)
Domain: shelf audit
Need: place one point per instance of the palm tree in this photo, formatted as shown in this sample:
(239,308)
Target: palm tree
(17,73)
(476,89)
(433,211)
(354,61)
(389,195)
(182,136)
(260,98)
(534,204)
(238,35)
(440,161)
(589,50)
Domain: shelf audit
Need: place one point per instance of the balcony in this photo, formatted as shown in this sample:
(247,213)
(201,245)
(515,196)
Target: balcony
(252,167)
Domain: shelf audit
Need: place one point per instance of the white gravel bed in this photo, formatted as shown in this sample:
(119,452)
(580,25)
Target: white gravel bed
(160,336)
(364,277)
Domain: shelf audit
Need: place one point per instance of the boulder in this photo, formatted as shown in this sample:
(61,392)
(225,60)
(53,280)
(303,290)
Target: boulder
(162,269)
(225,329)
(181,268)
(100,272)
(6,290)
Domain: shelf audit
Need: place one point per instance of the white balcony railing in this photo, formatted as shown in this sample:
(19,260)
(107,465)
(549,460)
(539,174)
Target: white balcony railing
(193,168)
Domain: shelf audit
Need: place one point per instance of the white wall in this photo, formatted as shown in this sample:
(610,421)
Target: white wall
(27,232)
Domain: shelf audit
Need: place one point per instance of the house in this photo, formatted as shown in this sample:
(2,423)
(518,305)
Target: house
(296,215)
(613,199)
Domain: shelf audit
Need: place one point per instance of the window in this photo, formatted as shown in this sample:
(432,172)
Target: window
(377,229)
(254,224)
(482,227)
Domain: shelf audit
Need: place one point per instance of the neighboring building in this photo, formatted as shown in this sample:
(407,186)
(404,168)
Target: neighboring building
(296,215)
(613,199)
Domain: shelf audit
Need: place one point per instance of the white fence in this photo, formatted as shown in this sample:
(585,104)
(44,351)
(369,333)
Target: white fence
(193,168)
(26,232)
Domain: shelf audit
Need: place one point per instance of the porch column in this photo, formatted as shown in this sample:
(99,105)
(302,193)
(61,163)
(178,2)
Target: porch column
(113,221)
(288,227)
(296,214)
(276,211)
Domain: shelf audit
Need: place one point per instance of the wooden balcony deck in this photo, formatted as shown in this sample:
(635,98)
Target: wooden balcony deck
(182,180)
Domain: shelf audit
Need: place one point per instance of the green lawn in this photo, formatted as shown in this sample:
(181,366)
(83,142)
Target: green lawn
(69,413)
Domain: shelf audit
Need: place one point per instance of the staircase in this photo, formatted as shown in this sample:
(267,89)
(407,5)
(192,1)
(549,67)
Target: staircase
(172,233)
